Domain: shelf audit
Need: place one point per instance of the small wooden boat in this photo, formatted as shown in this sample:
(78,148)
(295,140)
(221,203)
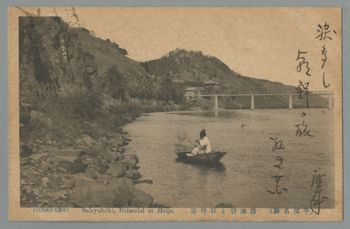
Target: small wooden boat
(213,157)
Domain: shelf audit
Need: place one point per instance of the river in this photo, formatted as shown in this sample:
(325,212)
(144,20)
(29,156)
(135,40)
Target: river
(247,171)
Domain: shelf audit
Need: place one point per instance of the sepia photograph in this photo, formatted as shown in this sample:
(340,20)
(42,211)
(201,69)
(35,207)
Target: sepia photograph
(175,113)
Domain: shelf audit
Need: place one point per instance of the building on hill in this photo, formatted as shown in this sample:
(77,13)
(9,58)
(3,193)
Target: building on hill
(210,83)
(189,93)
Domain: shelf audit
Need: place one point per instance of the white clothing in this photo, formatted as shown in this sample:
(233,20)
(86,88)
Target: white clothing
(205,142)
(202,142)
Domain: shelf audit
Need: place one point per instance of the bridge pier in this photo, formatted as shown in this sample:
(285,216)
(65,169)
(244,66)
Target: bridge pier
(216,104)
(290,102)
(252,107)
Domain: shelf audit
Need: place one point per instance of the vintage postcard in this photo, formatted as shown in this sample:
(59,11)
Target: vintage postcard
(175,114)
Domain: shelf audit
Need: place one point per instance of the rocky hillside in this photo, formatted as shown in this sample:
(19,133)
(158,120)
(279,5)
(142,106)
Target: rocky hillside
(74,91)
(57,58)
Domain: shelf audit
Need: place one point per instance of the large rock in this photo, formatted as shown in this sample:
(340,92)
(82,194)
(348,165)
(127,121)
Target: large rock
(57,159)
(117,169)
(128,174)
(76,167)
(136,174)
(102,166)
(91,173)
(86,142)
(39,156)
(140,199)
(133,174)
(91,193)
(124,189)
(70,155)
(124,143)
(67,183)
(113,155)
(122,150)
(127,138)
(45,167)
(116,142)
(130,161)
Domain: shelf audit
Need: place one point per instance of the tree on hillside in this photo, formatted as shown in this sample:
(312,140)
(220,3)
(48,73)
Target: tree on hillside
(178,93)
(116,83)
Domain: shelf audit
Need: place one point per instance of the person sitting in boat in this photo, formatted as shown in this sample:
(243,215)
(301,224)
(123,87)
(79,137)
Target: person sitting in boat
(203,145)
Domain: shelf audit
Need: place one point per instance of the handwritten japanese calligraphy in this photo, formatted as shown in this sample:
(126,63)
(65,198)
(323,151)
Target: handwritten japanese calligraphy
(302,62)
(317,199)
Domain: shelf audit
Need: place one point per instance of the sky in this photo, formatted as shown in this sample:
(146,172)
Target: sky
(260,42)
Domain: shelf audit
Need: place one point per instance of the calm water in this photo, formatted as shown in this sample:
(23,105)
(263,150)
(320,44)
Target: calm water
(247,170)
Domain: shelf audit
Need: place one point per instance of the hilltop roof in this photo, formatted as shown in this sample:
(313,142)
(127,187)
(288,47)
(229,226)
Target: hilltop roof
(210,82)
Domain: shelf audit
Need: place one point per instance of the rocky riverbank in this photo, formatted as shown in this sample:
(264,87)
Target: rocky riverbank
(76,93)
(91,174)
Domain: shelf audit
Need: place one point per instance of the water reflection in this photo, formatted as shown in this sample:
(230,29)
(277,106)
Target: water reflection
(205,167)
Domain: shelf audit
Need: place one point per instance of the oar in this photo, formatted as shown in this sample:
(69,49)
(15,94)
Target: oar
(182,136)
